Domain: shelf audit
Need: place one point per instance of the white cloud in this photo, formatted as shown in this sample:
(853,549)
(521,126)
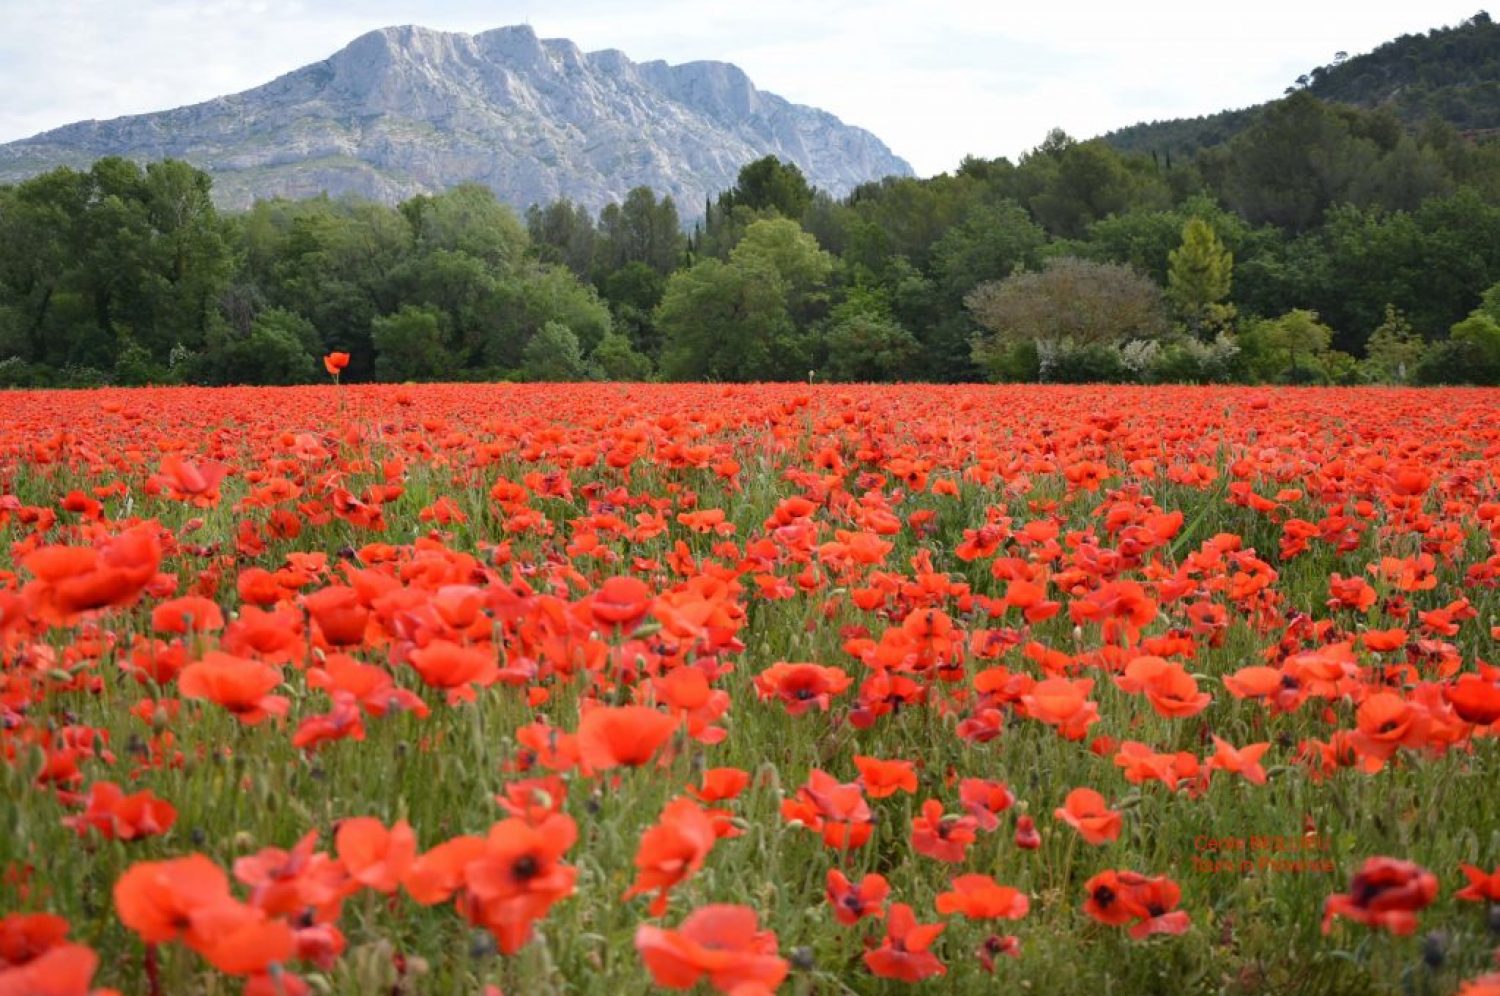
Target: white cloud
(937,83)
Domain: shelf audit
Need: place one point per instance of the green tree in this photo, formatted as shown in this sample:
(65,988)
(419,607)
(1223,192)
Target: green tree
(641,230)
(1394,351)
(553,354)
(869,346)
(615,359)
(1288,348)
(781,245)
(728,321)
(409,345)
(529,300)
(770,184)
(633,292)
(1297,160)
(1069,303)
(1199,273)
(564,234)
(1470,354)
(469,219)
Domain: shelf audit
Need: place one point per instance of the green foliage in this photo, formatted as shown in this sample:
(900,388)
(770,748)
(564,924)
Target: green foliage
(1479,335)
(728,321)
(868,346)
(781,246)
(1199,272)
(1080,363)
(553,354)
(1187,360)
(768,184)
(93,261)
(409,345)
(1078,183)
(642,230)
(616,359)
(632,293)
(563,233)
(531,299)
(1287,349)
(1394,351)
(467,219)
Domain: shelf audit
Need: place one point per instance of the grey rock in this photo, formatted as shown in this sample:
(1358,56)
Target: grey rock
(408,110)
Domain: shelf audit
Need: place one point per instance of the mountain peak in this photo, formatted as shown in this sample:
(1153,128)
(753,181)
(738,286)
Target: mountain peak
(406,110)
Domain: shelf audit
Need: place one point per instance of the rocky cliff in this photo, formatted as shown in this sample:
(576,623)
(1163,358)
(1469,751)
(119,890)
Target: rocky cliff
(408,110)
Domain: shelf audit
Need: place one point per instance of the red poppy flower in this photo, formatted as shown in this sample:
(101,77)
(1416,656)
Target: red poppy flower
(721,943)
(801,686)
(885,778)
(1242,761)
(335,363)
(946,838)
(1476,697)
(985,800)
(852,903)
(620,603)
(238,684)
(1482,885)
(609,736)
(339,615)
(117,816)
(980,897)
(27,936)
(456,669)
(837,810)
(672,851)
(1087,812)
(904,955)
(374,856)
(519,877)
(1386,893)
(158,899)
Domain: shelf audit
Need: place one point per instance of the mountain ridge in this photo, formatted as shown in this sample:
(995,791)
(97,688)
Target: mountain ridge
(407,110)
(1449,73)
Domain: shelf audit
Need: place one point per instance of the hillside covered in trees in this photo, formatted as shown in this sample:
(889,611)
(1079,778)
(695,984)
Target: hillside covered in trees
(1323,242)
(1449,74)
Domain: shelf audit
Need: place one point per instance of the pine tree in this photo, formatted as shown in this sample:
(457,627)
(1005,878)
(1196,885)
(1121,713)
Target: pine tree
(1199,273)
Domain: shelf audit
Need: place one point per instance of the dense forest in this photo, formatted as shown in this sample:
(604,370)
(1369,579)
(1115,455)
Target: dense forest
(1319,242)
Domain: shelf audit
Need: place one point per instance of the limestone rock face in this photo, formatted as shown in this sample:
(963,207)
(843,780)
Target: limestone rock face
(408,110)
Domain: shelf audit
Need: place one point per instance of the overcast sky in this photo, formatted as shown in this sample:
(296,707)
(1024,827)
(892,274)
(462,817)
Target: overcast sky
(935,80)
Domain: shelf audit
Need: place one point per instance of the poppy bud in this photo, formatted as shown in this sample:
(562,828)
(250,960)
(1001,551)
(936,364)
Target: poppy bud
(802,959)
(1435,949)
(1495,919)
(481,945)
(1027,837)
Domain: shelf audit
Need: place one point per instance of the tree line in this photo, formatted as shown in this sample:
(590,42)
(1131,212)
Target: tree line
(1322,243)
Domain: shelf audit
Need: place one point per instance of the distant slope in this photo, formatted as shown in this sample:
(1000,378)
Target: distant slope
(1449,73)
(409,110)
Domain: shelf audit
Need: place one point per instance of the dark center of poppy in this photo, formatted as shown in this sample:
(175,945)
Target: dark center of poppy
(1104,895)
(804,694)
(525,868)
(1156,909)
(1389,726)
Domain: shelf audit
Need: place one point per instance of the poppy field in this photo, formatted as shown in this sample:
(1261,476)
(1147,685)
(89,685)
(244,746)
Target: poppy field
(616,689)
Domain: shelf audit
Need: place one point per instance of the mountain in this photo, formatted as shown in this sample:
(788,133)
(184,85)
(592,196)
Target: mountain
(408,110)
(1452,74)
